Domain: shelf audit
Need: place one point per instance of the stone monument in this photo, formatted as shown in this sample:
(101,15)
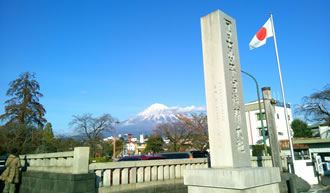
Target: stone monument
(231,170)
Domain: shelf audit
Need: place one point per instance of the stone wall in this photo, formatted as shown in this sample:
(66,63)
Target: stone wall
(61,172)
(168,186)
(46,182)
(173,188)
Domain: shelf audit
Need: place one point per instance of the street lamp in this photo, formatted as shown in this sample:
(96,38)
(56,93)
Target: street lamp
(114,142)
(260,112)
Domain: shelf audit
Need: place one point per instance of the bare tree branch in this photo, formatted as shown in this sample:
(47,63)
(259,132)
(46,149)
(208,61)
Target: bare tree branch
(91,127)
(317,106)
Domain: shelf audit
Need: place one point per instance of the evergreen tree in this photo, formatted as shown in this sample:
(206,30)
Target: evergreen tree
(48,139)
(48,131)
(24,115)
(300,129)
(24,106)
(155,144)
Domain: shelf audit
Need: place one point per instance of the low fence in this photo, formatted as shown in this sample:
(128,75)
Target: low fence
(119,176)
(112,174)
(122,176)
(266,161)
(73,162)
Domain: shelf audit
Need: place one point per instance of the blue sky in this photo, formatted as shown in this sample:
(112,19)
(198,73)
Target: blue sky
(119,57)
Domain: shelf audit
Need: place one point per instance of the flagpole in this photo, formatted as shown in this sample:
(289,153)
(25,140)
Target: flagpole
(285,109)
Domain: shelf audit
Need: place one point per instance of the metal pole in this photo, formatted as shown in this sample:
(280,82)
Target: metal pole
(260,111)
(283,96)
(114,143)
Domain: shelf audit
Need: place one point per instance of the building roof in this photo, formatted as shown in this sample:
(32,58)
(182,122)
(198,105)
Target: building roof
(284,144)
(299,143)
(327,123)
(317,125)
(253,105)
(310,140)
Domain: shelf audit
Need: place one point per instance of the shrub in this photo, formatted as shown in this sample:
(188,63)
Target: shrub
(257,150)
(99,159)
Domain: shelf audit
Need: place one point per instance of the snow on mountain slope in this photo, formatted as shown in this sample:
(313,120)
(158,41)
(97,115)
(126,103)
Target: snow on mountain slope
(146,121)
(156,113)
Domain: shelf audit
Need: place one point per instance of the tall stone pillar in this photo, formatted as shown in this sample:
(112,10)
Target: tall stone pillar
(231,169)
(271,126)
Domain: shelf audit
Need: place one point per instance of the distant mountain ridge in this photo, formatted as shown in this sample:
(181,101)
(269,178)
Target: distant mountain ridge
(145,121)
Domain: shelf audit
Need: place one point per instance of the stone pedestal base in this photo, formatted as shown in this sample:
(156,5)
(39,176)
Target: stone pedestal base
(233,180)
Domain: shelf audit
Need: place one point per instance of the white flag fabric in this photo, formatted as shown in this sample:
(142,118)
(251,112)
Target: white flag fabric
(261,36)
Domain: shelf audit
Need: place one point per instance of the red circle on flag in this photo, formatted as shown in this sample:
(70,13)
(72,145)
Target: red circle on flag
(261,34)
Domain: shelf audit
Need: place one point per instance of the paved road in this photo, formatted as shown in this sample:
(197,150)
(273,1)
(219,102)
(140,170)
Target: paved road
(319,189)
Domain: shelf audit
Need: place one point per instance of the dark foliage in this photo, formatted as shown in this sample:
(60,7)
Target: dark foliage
(24,107)
(301,129)
(257,150)
(155,144)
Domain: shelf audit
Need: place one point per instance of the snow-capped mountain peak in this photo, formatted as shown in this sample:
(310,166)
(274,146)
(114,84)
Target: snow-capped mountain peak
(154,109)
(157,113)
(146,120)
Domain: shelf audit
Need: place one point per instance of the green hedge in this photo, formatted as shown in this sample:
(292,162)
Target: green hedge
(99,159)
(257,150)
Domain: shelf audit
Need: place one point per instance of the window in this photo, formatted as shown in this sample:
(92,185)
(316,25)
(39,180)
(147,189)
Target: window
(263,116)
(289,117)
(301,154)
(278,116)
(260,131)
(280,133)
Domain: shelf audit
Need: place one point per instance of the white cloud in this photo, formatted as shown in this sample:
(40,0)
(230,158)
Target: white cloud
(187,109)
(83,92)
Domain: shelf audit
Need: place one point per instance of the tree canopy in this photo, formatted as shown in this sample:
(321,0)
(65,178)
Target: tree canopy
(198,124)
(23,107)
(300,129)
(48,131)
(24,115)
(48,139)
(176,133)
(316,107)
(92,127)
(187,132)
(155,144)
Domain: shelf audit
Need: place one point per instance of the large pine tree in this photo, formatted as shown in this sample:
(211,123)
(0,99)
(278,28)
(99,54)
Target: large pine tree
(24,107)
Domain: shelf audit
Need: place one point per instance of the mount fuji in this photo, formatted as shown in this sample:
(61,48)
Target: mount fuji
(145,121)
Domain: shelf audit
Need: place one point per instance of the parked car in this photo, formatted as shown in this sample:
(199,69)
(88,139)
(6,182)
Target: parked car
(177,155)
(140,157)
(199,154)
(184,155)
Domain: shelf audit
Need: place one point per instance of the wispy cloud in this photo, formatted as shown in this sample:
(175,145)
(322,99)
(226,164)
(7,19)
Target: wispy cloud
(188,109)
(83,92)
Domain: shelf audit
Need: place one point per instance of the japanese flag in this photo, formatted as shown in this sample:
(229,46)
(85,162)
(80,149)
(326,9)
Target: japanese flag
(260,38)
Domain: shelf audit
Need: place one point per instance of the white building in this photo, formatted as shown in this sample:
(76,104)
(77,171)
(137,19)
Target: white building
(108,138)
(254,123)
(321,130)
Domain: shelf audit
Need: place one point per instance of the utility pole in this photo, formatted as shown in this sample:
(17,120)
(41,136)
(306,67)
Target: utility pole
(114,142)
